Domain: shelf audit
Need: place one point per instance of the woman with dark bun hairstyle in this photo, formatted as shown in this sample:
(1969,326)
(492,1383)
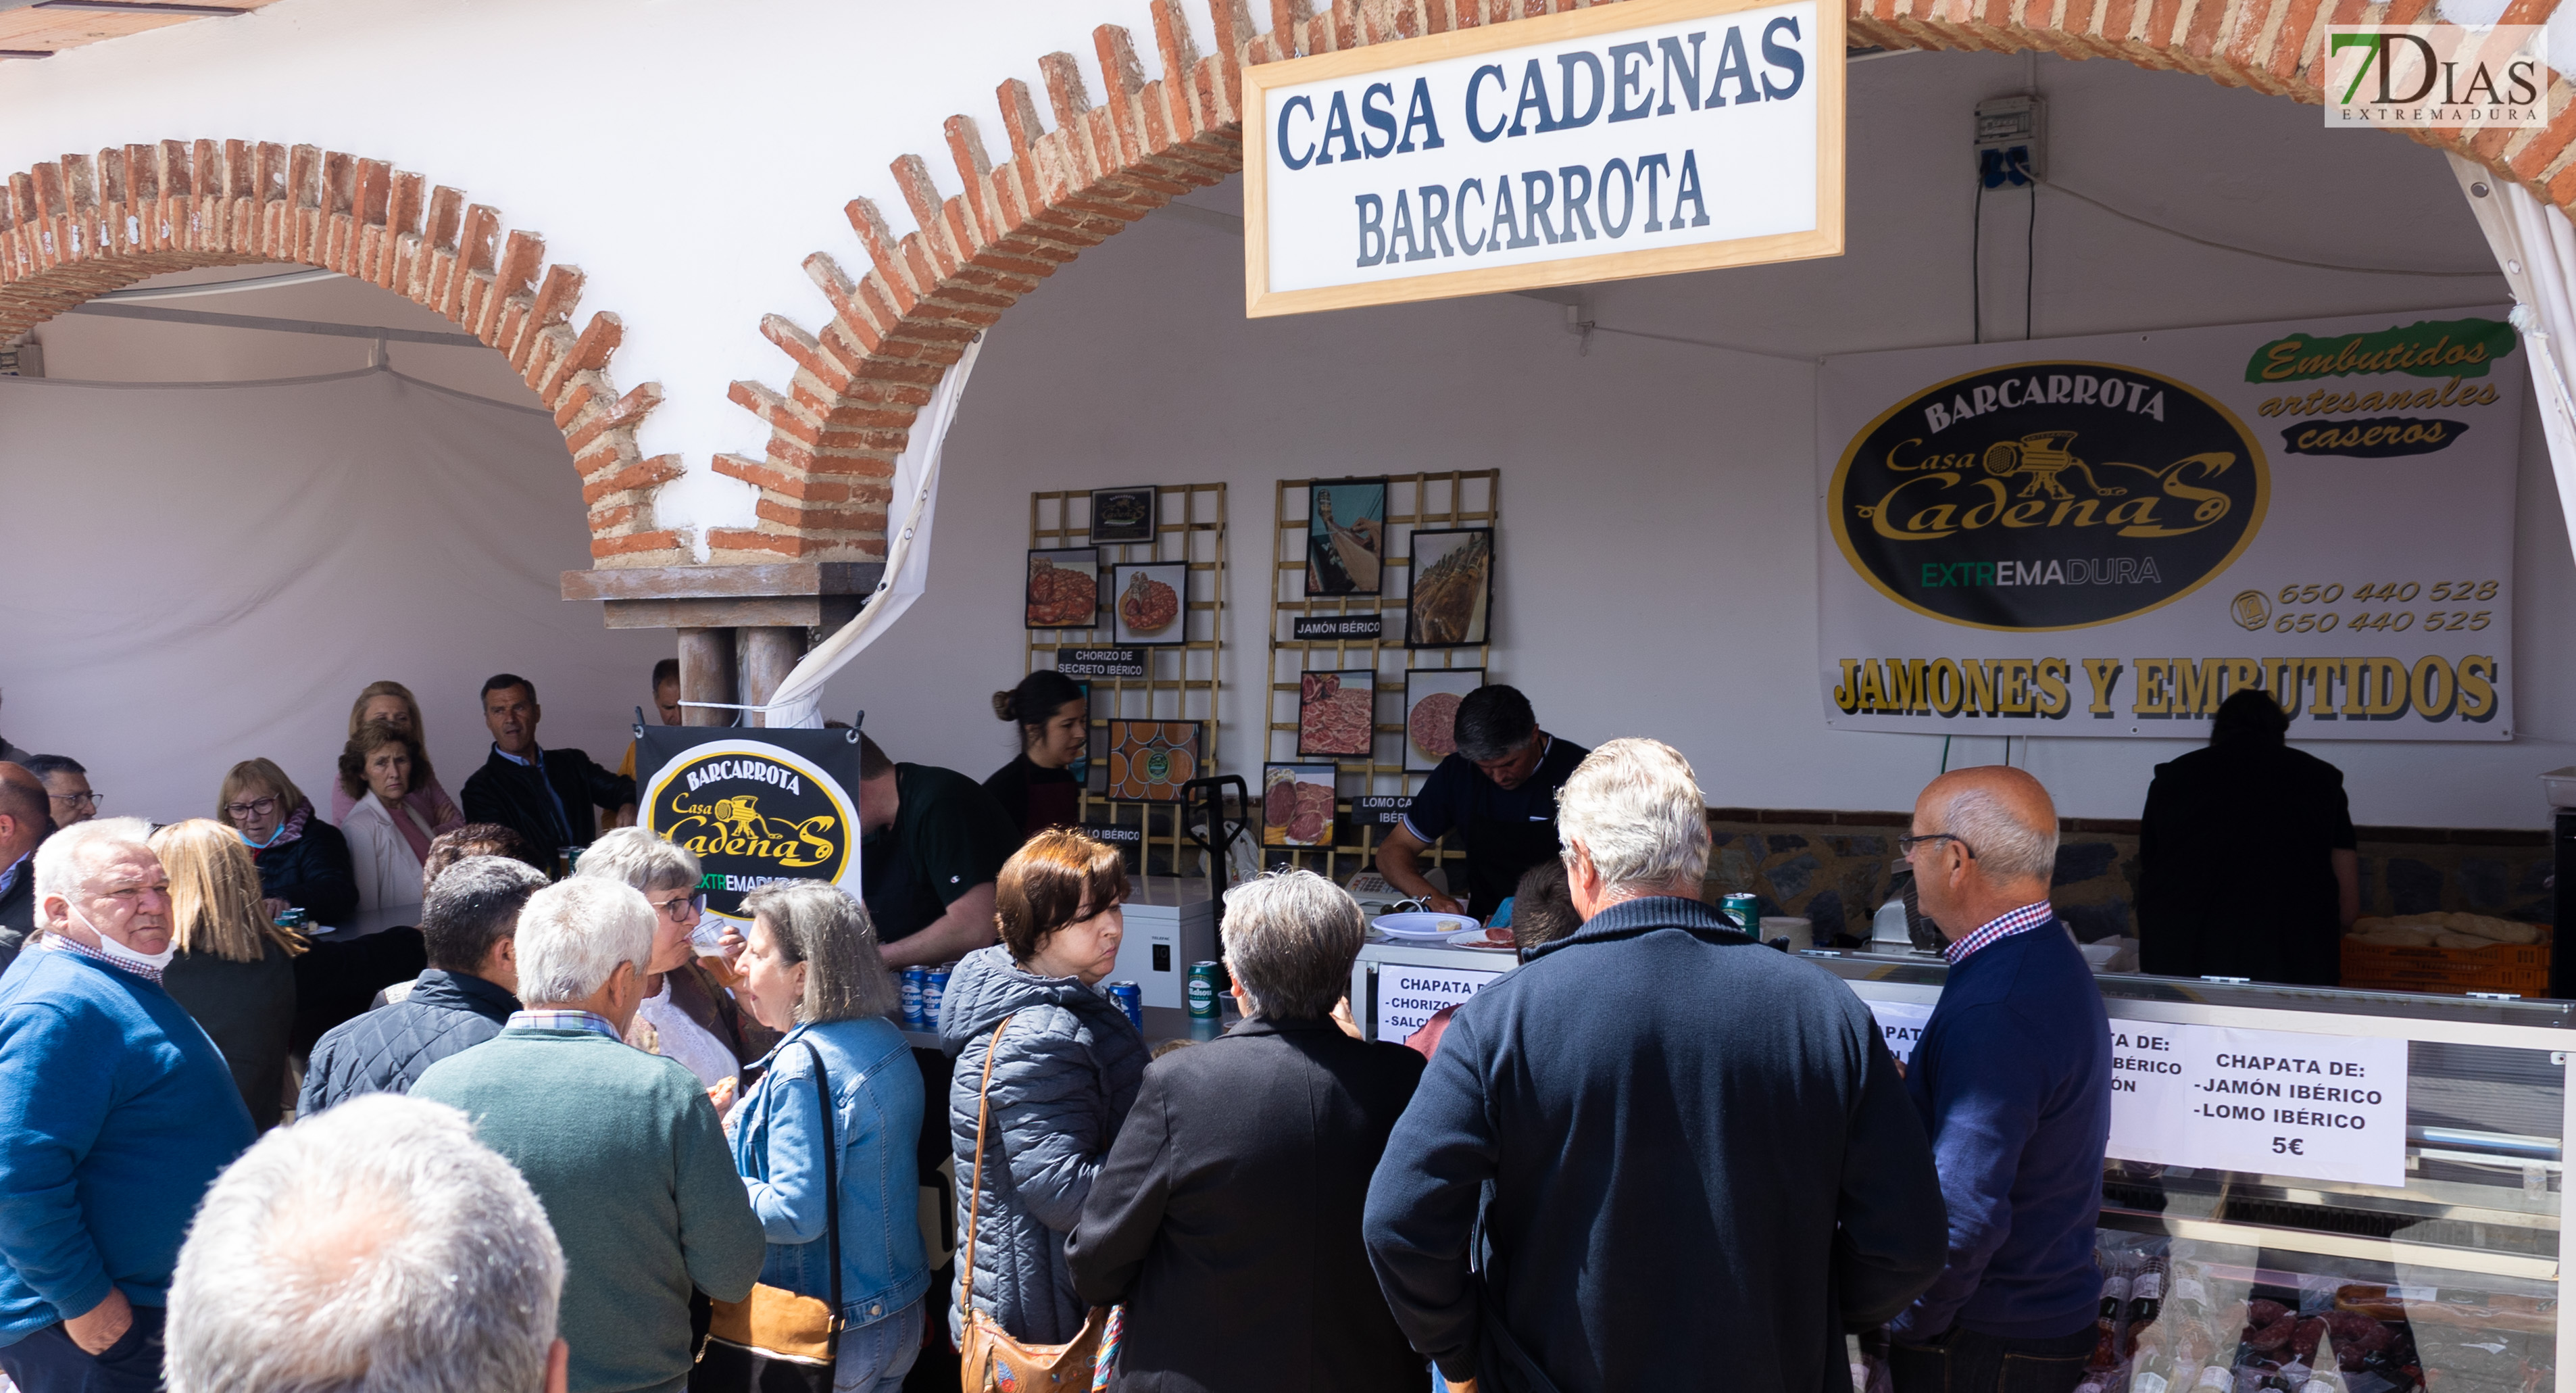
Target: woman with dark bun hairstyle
(1054,721)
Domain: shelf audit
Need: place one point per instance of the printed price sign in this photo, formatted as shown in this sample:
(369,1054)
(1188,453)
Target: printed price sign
(1368,627)
(1379,809)
(2270,1102)
(1408,996)
(1100,662)
(1902,1023)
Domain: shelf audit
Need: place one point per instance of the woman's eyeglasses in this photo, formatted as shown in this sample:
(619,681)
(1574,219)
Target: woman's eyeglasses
(688,909)
(257,807)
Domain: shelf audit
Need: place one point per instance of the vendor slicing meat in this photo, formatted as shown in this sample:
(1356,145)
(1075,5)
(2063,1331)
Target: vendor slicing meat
(1497,792)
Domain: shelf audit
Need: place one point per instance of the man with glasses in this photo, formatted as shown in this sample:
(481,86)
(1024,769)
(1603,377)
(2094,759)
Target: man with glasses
(1497,792)
(23,825)
(2013,1079)
(66,787)
(686,1014)
(119,1113)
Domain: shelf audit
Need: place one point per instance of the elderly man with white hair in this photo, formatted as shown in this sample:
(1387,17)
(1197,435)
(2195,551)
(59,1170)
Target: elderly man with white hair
(380,1247)
(2013,1079)
(1698,1161)
(622,1147)
(119,1112)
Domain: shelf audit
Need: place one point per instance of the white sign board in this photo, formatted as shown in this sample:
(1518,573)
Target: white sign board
(1632,140)
(1408,996)
(1902,1023)
(2108,535)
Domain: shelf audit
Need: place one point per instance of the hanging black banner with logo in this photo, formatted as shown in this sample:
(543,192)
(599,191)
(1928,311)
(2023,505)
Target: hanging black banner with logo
(758,807)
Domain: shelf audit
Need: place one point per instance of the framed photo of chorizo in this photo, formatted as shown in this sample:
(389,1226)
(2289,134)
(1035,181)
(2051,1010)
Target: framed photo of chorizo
(1152,600)
(1122,515)
(1297,805)
(1337,713)
(1345,537)
(1431,697)
(1453,588)
(1145,761)
(1063,589)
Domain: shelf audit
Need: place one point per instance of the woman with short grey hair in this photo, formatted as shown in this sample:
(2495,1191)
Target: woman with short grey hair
(1285,1106)
(811,969)
(687,1013)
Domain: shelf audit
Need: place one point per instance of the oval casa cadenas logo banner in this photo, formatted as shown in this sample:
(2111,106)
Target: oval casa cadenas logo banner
(2047,496)
(755,815)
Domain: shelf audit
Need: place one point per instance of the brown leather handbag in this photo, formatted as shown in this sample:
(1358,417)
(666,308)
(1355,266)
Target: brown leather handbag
(992,1360)
(777,1341)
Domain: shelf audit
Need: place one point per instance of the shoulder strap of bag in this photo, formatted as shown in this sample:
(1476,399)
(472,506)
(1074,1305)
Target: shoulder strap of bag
(831,1185)
(975,1186)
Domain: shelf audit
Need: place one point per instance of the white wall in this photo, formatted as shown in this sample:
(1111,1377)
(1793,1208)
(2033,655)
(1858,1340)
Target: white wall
(1659,539)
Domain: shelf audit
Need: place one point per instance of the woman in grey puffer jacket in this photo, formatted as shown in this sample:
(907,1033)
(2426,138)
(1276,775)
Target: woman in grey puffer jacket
(1064,1074)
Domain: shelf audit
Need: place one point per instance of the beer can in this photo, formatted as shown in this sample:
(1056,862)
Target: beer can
(916,981)
(1130,998)
(934,989)
(1745,910)
(1202,990)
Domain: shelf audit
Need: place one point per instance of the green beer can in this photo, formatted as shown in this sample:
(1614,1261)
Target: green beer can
(1202,990)
(1745,910)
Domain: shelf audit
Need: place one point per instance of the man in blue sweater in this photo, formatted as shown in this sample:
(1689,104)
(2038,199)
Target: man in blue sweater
(119,1113)
(2013,1078)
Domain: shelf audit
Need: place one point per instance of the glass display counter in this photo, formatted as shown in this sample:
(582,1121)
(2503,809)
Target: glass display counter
(2285,1217)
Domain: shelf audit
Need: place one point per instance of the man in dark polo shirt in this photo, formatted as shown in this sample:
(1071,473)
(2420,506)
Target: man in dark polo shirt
(1497,793)
(931,842)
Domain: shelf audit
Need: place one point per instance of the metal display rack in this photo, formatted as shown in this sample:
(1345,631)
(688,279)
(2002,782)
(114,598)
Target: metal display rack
(1456,498)
(1182,681)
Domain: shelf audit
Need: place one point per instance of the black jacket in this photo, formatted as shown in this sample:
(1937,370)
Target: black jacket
(248,1009)
(1702,1168)
(1273,1295)
(17,913)
(2236,865)
(386,1050)
(514,795)
(312,873)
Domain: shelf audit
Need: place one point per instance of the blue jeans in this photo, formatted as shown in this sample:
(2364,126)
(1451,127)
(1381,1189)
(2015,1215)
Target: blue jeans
(48,1361)
(876,1356)
(1963,1361)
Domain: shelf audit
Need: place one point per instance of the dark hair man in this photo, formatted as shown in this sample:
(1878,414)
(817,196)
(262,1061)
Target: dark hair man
(1497,793)
(23,824)
(66,787)
(469,925)
(549,797)
(666,703)
(2013,1079)
(2247,863)
(932,841)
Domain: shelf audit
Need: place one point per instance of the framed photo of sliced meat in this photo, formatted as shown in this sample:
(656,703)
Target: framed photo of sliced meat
(1453,588)
(1122,515)
(1297,805)
(1431,697)
(1152,600)
(1345,537)
(1337,713)
(1063,589)
(1145,761)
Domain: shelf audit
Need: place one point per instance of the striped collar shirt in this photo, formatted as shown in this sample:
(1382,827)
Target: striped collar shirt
(562,1020)
(60,944)
(2005,925)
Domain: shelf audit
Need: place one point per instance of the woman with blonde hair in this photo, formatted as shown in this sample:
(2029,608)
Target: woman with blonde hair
(392,702)
(234,970)
(388,836)
(303,861)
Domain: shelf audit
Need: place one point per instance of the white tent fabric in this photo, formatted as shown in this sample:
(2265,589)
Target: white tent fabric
(203,573)
(2537,249)
(799,699)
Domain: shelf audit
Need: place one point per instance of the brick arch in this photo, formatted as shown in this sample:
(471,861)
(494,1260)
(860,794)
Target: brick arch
(78,227)
(849,403)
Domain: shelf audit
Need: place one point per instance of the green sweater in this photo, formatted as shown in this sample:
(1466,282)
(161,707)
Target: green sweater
(625,1153)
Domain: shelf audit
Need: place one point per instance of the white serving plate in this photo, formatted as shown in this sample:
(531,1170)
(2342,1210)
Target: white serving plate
(1423,926)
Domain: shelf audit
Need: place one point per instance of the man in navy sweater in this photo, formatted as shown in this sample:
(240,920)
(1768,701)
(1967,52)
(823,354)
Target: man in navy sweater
(2013,1078)
(119,1113)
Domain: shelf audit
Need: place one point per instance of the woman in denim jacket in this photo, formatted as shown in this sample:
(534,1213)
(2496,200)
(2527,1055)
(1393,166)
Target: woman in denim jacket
(810,968)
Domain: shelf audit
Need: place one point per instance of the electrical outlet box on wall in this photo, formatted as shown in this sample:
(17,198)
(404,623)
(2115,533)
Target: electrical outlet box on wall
(2012,139)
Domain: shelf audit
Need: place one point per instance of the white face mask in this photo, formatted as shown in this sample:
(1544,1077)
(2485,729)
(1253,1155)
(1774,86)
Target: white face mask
(118,952)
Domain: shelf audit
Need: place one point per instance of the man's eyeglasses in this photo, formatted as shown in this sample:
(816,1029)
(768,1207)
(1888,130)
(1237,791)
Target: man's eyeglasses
(77,800)
(257,807)
(688,909)
(1905,845)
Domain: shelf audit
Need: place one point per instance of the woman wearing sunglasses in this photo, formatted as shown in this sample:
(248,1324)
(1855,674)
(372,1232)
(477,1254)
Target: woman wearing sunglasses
(687,1014)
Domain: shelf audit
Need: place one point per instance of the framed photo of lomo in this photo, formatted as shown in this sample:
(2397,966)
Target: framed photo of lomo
(1152,601)
(1337,713)
(1431,697)
(1063,589)
(1453,588)
(1345,537)
(1122,515)
(1297,805)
